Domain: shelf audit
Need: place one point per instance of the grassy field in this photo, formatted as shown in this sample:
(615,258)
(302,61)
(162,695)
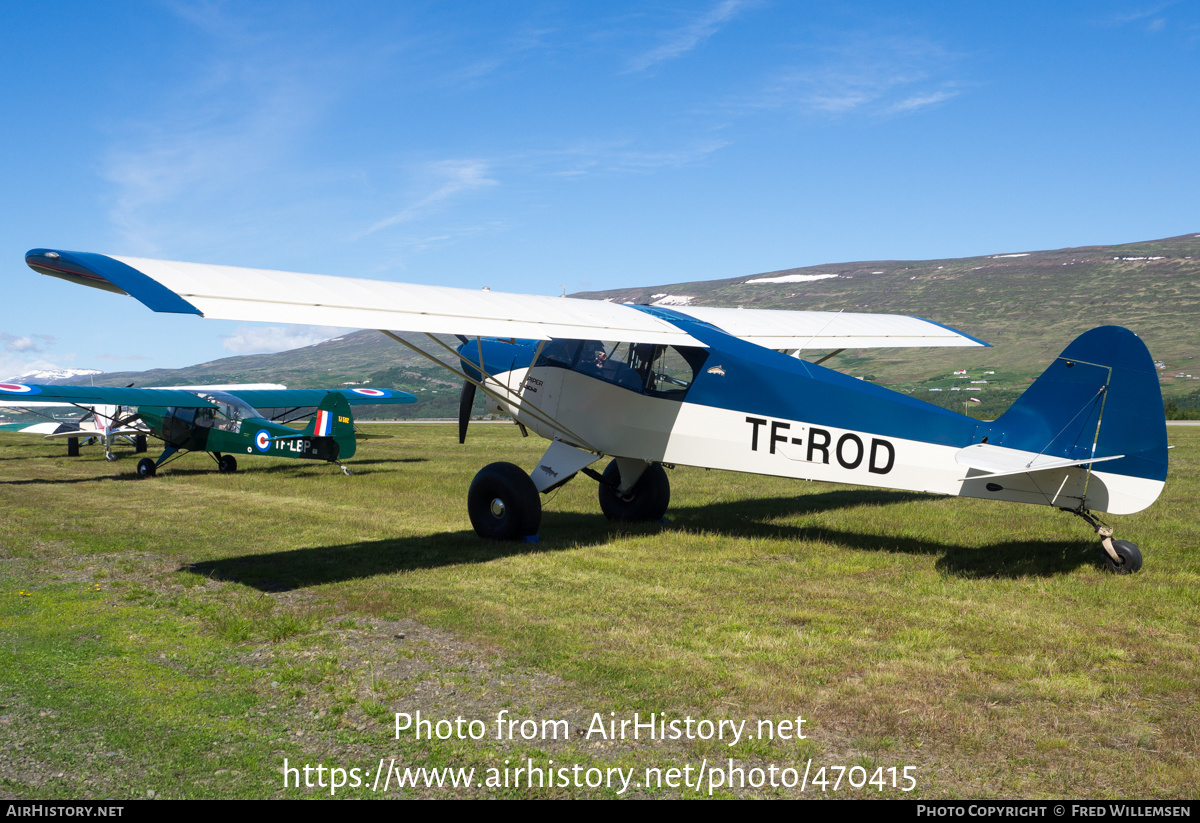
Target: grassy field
(184,636)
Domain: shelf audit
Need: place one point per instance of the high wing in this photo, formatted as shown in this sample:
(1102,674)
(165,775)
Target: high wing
(231,387)
(259,398)
(229,293)
(100,395)
(278,399)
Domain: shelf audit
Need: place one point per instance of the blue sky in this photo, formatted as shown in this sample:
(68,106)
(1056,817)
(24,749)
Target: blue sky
(546,145)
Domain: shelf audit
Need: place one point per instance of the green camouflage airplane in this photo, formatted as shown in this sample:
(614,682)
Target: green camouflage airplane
(222,423)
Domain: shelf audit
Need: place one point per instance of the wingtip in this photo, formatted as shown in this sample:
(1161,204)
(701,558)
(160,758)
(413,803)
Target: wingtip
(100,271)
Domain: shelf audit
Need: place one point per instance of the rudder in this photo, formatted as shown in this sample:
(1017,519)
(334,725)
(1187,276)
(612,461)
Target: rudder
(1099,398)
(334,420)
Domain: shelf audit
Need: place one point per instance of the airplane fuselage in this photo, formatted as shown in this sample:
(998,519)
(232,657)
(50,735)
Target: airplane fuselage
(196,429)
(748,409)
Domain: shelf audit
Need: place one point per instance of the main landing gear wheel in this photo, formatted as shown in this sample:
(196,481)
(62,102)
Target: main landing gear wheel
(646,501)
(503,503)
(146,468)
(226,464)
(1131,558)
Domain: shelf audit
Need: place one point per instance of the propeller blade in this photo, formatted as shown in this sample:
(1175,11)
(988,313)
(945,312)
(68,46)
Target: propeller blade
(465,401)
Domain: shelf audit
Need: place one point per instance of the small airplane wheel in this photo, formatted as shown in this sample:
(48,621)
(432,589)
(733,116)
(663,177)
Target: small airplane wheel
(227,464)
(1131,558)
(646,501)
(110,457)
(503,503)
(146,468)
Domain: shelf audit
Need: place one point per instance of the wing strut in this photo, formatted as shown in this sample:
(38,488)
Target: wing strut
(826,357)
(527,408)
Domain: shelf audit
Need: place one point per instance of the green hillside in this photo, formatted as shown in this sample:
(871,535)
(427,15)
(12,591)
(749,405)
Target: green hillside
(1028,305)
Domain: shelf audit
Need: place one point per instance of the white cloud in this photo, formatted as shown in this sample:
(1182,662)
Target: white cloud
(593,157)
(452,178)
(865,74)
(23,345)
(684,39)
(263,339)
(920,101)
(201,158)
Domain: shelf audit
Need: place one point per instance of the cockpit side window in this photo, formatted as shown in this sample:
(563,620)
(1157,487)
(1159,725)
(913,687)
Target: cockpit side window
(559,353)
(230,411)
(661,371)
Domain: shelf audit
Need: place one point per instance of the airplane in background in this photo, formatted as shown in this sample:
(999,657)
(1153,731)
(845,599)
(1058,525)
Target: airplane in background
(223,423)
(653,387)
(102,423)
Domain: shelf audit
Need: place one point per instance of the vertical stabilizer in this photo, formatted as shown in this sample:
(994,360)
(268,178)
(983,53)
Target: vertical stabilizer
(333,420)
(1099,398)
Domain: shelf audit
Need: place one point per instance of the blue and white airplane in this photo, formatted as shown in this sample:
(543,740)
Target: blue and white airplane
(654,387)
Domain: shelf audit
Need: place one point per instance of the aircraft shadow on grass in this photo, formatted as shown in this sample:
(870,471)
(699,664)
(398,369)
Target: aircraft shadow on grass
(305,470)
(302,568)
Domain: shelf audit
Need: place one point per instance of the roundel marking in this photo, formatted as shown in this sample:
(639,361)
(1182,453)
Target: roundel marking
(371,392)
(18,388)
(262,440)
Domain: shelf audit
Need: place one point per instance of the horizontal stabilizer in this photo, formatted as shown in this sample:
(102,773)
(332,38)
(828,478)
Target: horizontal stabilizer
(997,461)
(78,432)
(54,428)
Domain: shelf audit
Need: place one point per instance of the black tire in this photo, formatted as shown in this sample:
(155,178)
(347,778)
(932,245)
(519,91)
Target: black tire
(110,457)
(503,503)
(226,464)
(1131,558)
(139,443)
(146,468)
(646,501)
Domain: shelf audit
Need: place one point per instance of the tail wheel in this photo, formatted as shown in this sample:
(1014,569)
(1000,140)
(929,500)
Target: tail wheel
(1131,558)
(146,468)
(646,501)
(503,503)
(227,464)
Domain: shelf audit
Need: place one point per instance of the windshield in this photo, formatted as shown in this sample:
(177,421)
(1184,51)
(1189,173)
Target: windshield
(230,411)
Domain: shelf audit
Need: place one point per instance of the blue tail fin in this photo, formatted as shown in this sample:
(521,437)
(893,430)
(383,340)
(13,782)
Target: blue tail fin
(1099,398)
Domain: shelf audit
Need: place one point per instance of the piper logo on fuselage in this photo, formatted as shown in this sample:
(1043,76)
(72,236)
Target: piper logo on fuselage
(849,451)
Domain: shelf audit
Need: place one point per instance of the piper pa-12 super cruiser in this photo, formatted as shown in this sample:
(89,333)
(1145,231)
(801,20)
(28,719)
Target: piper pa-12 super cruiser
(223,424)
(653,387)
